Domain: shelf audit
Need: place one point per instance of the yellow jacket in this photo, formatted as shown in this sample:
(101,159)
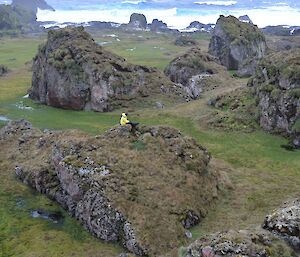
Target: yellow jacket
(123,120)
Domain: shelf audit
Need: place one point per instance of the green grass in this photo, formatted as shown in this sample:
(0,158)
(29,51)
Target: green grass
(146,48)
(263,174)
(16,52)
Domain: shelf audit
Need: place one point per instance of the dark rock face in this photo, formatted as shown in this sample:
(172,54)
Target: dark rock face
(71,71)
(141,194)
(277,85)
(200,26)
(239,243)
(286,222)
(238,45)
(158,25)
(138,21)
(196,71)
(32,5)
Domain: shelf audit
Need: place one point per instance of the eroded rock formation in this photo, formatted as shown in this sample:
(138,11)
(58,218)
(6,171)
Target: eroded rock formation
(238,45)
(71,71)
(244,243)
(277,86)
(142,190)
(197,71)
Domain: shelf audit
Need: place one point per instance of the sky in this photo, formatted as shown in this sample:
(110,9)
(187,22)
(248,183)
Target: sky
(176,13)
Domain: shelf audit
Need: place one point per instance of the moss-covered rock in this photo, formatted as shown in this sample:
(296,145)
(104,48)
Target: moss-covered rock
(244,243)
(142,190)
(237,44)
(72,71)
(197,72)
(32,5)
(277,86)
(15,18)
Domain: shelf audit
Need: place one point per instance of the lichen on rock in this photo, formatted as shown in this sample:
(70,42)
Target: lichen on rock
(256,243)
(197,71)
(277,86)
(238,45)
(72,71)
(142,190)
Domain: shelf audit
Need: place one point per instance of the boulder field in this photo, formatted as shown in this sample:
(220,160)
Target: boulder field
(142,190)
(72,71)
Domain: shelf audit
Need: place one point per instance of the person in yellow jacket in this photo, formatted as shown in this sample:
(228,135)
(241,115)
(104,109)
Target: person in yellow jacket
(124,121)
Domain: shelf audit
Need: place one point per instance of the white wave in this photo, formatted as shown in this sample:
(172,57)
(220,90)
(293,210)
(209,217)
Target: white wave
(225,3)
(262,17)
(132,2)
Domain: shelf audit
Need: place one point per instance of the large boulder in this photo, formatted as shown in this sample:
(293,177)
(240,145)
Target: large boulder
(286,222)
(277,86)
(72,71)
(196,71)
(238,45)
(244,243)
(138,21)
(158,25)
(142,190)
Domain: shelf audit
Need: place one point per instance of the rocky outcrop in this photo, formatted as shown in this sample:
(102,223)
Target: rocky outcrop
(158,25)
(238,45)
(196,71)
(15,17)
(71,71)
(277,86)
(286,223)
(184,40)
(138,21)
(144,194)
(245,18)
(32,5)
(198,26)
(239,243)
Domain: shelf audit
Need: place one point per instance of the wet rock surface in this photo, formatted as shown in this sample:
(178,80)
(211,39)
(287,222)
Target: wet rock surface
(239,243)
(140,195)
(238,45)
(71,71)
(286,223)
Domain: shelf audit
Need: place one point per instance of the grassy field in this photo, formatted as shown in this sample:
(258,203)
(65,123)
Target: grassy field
(263,174)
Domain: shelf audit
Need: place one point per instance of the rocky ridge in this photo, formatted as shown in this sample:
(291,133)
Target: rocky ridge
(238,45)
(72,71)
(144,194)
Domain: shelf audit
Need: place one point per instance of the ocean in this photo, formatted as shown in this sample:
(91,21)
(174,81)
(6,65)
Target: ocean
(177,14)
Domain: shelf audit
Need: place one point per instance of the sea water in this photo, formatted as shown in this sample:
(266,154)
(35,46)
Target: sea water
(176,13)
